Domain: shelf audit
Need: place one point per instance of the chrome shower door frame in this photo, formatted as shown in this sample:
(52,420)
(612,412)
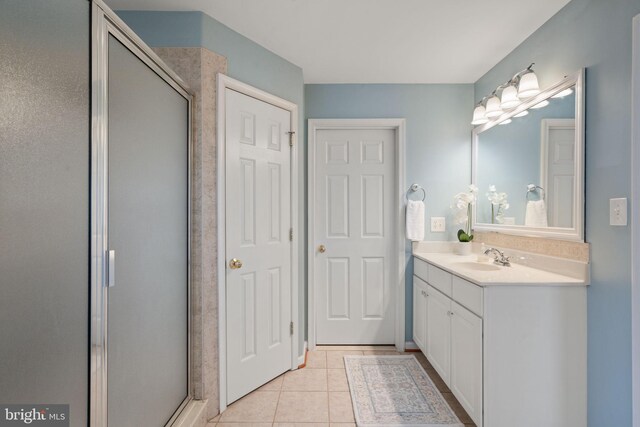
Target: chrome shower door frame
(105,22)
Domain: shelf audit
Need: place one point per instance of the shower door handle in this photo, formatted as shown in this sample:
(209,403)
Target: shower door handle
(111,269)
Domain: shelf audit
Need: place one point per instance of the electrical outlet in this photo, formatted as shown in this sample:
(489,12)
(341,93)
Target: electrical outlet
(437,224)
(618,211)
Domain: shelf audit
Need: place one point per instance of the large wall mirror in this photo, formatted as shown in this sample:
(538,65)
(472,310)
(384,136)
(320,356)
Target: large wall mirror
(528,165)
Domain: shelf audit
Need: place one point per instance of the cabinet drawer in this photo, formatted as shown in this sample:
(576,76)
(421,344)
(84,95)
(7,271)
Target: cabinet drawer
(420,269)
(440,279)
(468,295)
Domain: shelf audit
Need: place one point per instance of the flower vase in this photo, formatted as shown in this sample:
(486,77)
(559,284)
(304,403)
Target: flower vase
(462,248)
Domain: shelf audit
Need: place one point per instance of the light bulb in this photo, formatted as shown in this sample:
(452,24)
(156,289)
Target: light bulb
(506,122)
(522,114)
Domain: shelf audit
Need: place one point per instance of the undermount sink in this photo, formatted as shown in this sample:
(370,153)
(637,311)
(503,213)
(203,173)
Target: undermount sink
(477,266)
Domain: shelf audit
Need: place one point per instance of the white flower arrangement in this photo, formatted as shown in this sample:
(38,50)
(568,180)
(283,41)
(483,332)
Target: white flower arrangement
(462,208)
(499,204)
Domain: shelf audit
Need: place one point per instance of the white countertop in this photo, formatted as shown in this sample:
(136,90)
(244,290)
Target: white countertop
(489,274)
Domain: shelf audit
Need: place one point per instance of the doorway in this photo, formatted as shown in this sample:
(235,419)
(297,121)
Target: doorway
(257,231)
(356,243)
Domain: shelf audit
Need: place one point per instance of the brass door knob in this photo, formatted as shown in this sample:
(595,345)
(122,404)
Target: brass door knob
(322,249)
(235,264)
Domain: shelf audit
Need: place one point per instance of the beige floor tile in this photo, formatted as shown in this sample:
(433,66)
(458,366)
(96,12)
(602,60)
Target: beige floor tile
(300,424)
(457,408)
(215,419)
(259,406)
(355,347)
(244,425)
(273,385)
(316,360)
(211,424)
(337,380)
(335,358)
(342,425)
(301,407)
(340,407)
(305,380)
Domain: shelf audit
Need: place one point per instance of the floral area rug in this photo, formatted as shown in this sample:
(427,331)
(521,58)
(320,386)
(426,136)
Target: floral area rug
(395,391)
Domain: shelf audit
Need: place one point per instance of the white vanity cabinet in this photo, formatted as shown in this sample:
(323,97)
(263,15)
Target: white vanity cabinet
(513,354)
(419,312)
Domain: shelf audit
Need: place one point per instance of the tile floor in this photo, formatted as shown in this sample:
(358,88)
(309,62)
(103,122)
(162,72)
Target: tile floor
(316,396)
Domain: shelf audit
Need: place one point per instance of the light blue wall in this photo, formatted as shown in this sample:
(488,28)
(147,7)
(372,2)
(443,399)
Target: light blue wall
(438,151)
(248,62)
(597,35)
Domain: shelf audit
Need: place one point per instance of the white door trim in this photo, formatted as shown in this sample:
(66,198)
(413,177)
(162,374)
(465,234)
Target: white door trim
(635,226)
(226,82)
(399,125)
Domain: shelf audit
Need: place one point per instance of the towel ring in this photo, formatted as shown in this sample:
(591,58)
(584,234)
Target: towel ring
(413,189)
(531,188)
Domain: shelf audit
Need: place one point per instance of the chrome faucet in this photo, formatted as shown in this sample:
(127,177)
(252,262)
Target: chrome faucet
(498,257)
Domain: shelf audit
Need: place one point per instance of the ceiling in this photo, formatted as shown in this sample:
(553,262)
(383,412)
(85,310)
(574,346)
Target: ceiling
(378,41)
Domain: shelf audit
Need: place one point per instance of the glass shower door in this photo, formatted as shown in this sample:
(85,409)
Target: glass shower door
(148,226)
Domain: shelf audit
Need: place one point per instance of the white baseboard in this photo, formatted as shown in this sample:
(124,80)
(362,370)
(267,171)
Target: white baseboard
(410,345)
(304,353)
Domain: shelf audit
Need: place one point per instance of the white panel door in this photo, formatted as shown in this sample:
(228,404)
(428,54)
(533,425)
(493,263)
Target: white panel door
(559,136)
(439,332)
(466,360)
(354,221)
(258,220)
(420,313)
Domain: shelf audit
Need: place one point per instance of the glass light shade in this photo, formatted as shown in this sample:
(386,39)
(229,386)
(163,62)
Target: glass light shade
(528,85)
(563,93)
(479,117)
(541,104)
(506,122)
(522,114)
(493,107)
(509,98)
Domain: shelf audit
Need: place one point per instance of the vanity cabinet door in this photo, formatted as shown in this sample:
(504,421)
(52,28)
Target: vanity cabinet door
(420,313)
(466,360)
(439,332)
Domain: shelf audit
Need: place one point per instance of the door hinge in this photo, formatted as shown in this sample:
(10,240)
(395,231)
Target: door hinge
(291,328)
(291,235)
(291,138)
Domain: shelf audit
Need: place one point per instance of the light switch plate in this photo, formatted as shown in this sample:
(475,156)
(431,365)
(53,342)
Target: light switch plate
(618,211)
(438,224)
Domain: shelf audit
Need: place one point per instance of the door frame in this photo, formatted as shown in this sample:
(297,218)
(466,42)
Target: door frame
(635,225)
(226,82)
(105,22)
(398,261)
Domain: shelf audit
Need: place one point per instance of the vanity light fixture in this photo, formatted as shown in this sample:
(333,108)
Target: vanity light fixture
(521,86)
(506,122)
(522,114)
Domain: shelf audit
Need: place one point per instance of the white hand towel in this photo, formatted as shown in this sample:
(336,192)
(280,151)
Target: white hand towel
(536,214)
(415,220)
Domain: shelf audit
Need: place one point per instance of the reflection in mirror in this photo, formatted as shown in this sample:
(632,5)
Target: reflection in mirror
(529,166)
(536,149)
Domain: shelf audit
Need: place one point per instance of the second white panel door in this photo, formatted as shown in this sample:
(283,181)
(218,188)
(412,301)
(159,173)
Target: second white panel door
(354,233)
